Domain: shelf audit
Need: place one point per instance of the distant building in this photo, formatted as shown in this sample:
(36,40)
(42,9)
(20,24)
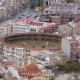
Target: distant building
(71,47)
(66,77)
(16,56)
(20,28)
(5,28)
(51,2)
(64,30)
(33,2)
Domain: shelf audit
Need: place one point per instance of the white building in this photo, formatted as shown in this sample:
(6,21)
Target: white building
(70,46)
(5,30)
(3,11)
(20,28)
(39,26)
(9,27)
(65,29)
(6,27)
(15,54)
(50,2)
(14,72)
(64,8)
(65,77)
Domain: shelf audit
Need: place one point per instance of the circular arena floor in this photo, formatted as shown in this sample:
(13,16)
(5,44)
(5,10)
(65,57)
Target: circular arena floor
(34,40)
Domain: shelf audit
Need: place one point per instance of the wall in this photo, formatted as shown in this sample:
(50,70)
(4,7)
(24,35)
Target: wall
(65,46)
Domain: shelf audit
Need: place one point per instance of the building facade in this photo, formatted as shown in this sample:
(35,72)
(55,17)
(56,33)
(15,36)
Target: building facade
(71,47)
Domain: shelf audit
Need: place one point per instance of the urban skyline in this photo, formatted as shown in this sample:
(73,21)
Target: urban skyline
(39,39)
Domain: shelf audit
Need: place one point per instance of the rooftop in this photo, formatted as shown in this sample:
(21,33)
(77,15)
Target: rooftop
(77,38)
(30,70)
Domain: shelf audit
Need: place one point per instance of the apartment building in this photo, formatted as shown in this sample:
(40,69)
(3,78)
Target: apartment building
(71,47)
(51,2)
(15,54)
(20,27)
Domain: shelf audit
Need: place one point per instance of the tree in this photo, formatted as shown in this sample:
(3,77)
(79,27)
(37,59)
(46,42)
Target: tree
(69,66)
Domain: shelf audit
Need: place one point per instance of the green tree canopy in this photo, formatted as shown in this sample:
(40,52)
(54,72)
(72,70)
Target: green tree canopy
(69,66)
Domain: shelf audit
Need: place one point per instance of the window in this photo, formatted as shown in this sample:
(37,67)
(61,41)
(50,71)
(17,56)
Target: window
(12,48)
(7,51)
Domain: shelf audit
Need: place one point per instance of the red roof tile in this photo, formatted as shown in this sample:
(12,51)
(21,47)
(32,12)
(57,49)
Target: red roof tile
(28,20)
(32,68)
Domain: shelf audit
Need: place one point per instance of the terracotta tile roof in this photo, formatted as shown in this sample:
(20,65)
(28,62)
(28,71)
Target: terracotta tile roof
(32,68)
(26,20)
